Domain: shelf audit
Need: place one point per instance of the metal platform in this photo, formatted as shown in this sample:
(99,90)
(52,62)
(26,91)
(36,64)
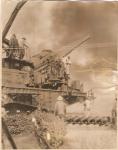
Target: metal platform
(14,90)
(17,61)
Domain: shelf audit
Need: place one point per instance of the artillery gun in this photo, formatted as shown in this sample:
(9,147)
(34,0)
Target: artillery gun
(40,81)
(50,74)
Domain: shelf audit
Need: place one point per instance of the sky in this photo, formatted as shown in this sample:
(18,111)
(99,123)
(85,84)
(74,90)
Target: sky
(55,25)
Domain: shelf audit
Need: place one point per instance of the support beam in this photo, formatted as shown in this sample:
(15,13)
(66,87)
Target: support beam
(6,130)
(12,18)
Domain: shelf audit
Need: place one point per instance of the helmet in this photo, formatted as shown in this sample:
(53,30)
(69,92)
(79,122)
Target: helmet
(59,98)
(17,111)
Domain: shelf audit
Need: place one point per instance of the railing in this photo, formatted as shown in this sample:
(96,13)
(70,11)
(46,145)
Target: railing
(15,90)
(10,48)
(14,50)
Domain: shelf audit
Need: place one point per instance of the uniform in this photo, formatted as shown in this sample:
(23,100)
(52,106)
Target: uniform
(24,51)
(114,113)
(67,64)
(87,107)
(60,107)
(14,47)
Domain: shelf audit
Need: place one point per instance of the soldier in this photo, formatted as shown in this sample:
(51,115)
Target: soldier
(87,107)
(60,107)
(23,50)
(14,46)
(82,87)
(67,65)
(114,114)
(58,67)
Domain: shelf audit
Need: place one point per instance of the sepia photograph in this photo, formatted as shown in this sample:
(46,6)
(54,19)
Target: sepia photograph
(59,74)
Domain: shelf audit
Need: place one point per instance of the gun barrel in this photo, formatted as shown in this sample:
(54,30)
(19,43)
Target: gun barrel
(77,45)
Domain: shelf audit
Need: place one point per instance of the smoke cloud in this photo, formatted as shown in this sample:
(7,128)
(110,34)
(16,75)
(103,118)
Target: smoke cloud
(54,24)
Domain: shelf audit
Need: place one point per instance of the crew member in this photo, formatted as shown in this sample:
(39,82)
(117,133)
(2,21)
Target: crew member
(14,47)
(60,107)
(114,113)
(23,51)
(58,68)
(67,65)
(87,107)
(82,87)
